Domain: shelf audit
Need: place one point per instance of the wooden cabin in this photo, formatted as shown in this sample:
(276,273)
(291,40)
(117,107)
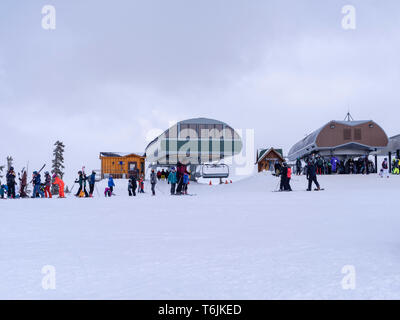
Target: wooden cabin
(266,158)
(121,165)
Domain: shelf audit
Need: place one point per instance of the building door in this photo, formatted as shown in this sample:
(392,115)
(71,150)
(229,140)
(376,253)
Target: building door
(132,166)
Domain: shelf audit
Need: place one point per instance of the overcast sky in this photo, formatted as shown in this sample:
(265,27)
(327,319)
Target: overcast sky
(113,71)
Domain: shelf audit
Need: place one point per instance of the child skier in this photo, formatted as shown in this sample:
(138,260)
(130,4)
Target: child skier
(47,181)
(385,168)
(141,184)
(60,183)
(185,183)
(111,183)
(3,190)
(107,192)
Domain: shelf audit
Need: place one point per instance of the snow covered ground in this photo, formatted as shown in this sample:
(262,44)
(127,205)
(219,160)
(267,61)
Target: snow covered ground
(235,241)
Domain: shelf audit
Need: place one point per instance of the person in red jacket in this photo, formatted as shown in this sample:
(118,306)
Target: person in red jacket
(289,176)
(60,184)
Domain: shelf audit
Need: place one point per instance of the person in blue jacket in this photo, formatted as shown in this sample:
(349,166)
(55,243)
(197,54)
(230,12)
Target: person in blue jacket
(3,190)
(92,181)
(172,180)
(111,183)
(37,185)
(185,183)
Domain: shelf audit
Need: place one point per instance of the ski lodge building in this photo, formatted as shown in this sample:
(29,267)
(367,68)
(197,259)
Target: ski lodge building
(121,165)
(266,158)
(342,139)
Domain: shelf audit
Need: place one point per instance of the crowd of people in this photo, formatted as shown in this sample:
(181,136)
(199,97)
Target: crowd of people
(332,165)
(177,178)
(318,165)
(18,187)
(284,171)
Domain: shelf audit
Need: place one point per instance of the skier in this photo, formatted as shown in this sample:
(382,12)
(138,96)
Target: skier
(159,175)
(132,186)
(37,185)
(11,183)
(92,181)
(284,175)
(153,181)
(172,180)
(185,183)
(385,168)
(396,169)
(278,168)
(181,170)
(47,182)
(141,184)
(23,183)
(111,183)
(320,165)
(312,176)
(298,166)
(107,192)
(82,184)
(60,183)
(3,190)
(289,176)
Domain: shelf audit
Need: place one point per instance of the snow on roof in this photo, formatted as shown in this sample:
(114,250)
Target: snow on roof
(120,154)
(264,152)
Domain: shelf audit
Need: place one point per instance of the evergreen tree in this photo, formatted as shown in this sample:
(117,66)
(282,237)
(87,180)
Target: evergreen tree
(58,163)
(10,161)
(1,170)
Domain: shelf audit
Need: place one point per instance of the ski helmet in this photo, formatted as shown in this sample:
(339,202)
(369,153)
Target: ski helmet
(79,172)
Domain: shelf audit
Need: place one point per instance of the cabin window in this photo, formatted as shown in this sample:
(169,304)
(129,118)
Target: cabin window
(347,134)
(357,134)
(332,126)
(371,125)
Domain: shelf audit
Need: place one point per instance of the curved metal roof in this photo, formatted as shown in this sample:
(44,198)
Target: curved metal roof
(393,145)
(191,121)
(306,145)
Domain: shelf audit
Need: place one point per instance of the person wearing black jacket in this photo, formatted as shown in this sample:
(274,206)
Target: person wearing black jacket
(284,177)
(92,181)
(82,184)
(11,183)
(298,166)
(312,176)
(132,186)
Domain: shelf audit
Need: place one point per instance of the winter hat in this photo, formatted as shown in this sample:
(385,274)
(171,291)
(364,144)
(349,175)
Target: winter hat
(54,175)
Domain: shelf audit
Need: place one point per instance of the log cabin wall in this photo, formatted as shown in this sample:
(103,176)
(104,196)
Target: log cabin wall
(113,166)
